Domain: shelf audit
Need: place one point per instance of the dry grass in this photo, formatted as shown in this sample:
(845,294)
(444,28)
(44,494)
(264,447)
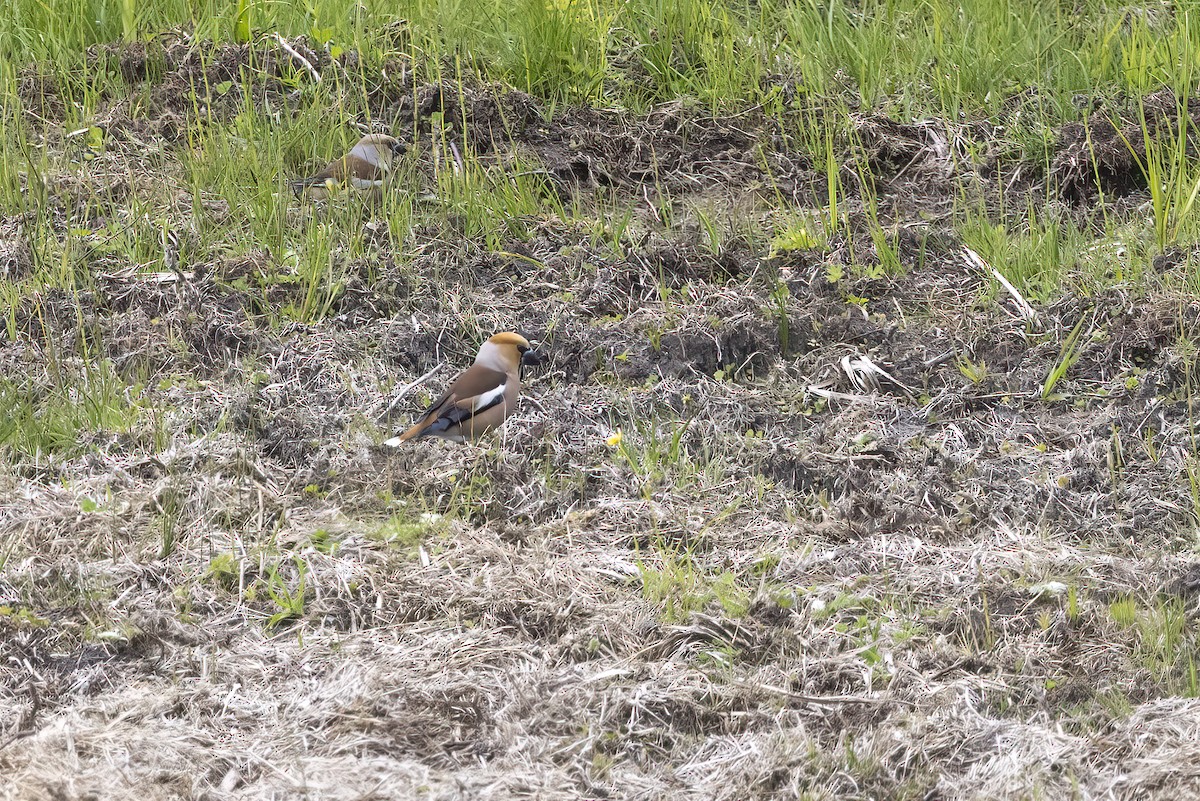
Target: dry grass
(776,585)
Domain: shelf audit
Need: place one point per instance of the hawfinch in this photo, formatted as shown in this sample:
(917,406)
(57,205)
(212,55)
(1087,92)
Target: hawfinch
(364,167)
(481,397)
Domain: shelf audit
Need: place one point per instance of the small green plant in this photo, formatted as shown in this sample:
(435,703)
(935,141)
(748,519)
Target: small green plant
(833,181)
(1124,611)
(1115,455)
(886,252)
(1030,256)
(224,570)
(323,542)
(1067,356)
(23,618)
(289,600)
(1073,610)
(975,372)
(883,243)
(403,530)
(779,298)
(797,235)
(977,630)
(712,233)
(653,455)
(680,585)
(319,275)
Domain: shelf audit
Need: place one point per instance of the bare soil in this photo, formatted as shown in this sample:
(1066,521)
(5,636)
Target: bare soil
(917,573)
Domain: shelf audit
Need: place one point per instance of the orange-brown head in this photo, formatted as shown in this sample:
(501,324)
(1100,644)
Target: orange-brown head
(506,352)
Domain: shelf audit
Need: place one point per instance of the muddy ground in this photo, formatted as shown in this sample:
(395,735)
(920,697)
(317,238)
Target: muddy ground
(781,583)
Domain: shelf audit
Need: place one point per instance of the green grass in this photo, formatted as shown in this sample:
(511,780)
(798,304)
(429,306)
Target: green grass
(95,402)
(1163,642)
(934,56)
(806,63)
(679,583)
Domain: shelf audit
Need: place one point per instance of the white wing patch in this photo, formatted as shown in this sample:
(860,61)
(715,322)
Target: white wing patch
(485,399)
(363,183)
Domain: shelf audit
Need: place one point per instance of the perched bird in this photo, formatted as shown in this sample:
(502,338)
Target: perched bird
(364,167)
(481,397)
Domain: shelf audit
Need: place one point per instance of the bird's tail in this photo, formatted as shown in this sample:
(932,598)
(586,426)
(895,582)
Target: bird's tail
(412,433)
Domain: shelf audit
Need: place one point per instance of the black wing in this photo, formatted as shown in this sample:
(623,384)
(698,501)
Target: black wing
(457,415)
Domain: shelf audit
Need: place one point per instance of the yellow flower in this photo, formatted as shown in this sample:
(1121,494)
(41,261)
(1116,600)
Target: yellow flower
(614,439)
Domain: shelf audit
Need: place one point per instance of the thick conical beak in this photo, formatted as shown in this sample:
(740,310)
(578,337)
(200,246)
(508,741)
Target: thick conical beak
(533,358)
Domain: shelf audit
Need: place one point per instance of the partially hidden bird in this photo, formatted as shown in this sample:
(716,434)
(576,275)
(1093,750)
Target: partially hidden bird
(364,167)
(481,397)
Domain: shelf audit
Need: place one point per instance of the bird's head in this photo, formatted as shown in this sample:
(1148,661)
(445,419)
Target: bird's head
(379,149)
(508,352)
